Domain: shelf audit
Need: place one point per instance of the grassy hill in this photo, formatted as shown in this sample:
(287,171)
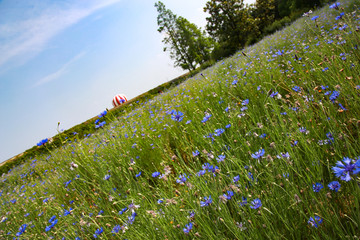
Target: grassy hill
(263,145)
(87,128)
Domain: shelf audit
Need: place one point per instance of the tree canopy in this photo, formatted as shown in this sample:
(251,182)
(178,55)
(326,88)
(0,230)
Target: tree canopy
(188,45)
(229,23)
(231,26)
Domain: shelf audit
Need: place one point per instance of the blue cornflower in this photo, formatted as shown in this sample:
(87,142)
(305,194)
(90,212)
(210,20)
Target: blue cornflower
(107,176)
(98,232)
(344,169)
(219,131)
(335,6)
(156,174)
(243,202)
(196,153)
(102,114)
(207,201)
(206,118)
(258,154)
(220,158)
(228,195)
(294,143)
(138,175)
(42,142)
(227,126)
(192,214)
(251,176)
(206,166)
(273,94)
(297,89)
(22,229)
(334,185)
(212,169)
(245,102)
(53,221)
(342,107)
(334,95)
(295,109)
(132,206)
(315,17)
(256,203)
(315,221)
(201,172)
(131,219)
(330,137)
(236,178)
(171,112)
(100,124)
(210,136)
(177,116)
(280,53)
(340,16)
(302,129)
(243,109)
(324,87)
(116,229)
(357,165)
(182,179)
(122,210)
(188,228)
(67,212)
(317,187)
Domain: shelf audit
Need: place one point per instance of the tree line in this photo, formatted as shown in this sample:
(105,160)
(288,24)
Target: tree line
(231,26)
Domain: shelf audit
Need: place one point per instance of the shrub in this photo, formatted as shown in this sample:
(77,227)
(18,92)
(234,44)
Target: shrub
(277,25)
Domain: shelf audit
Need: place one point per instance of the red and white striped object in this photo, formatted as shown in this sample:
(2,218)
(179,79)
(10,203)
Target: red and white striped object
(119,99)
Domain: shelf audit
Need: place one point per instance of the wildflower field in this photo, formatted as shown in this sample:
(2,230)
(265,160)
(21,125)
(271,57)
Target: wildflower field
(263,145)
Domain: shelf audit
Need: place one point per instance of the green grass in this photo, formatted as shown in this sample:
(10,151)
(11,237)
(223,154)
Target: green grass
(303,131)
(87,128)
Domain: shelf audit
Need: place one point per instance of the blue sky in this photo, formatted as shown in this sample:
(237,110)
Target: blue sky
(63,61)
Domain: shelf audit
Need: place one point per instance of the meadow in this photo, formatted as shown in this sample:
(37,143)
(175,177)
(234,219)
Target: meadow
(262,145)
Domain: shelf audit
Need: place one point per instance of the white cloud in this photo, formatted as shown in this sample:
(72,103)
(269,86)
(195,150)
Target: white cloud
(30,36)
(59,72)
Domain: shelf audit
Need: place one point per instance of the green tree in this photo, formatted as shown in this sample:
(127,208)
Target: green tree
(194,41)
(187,44)
(290,7)
(283,8)
(264,13)
(306,4)
(230,23)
